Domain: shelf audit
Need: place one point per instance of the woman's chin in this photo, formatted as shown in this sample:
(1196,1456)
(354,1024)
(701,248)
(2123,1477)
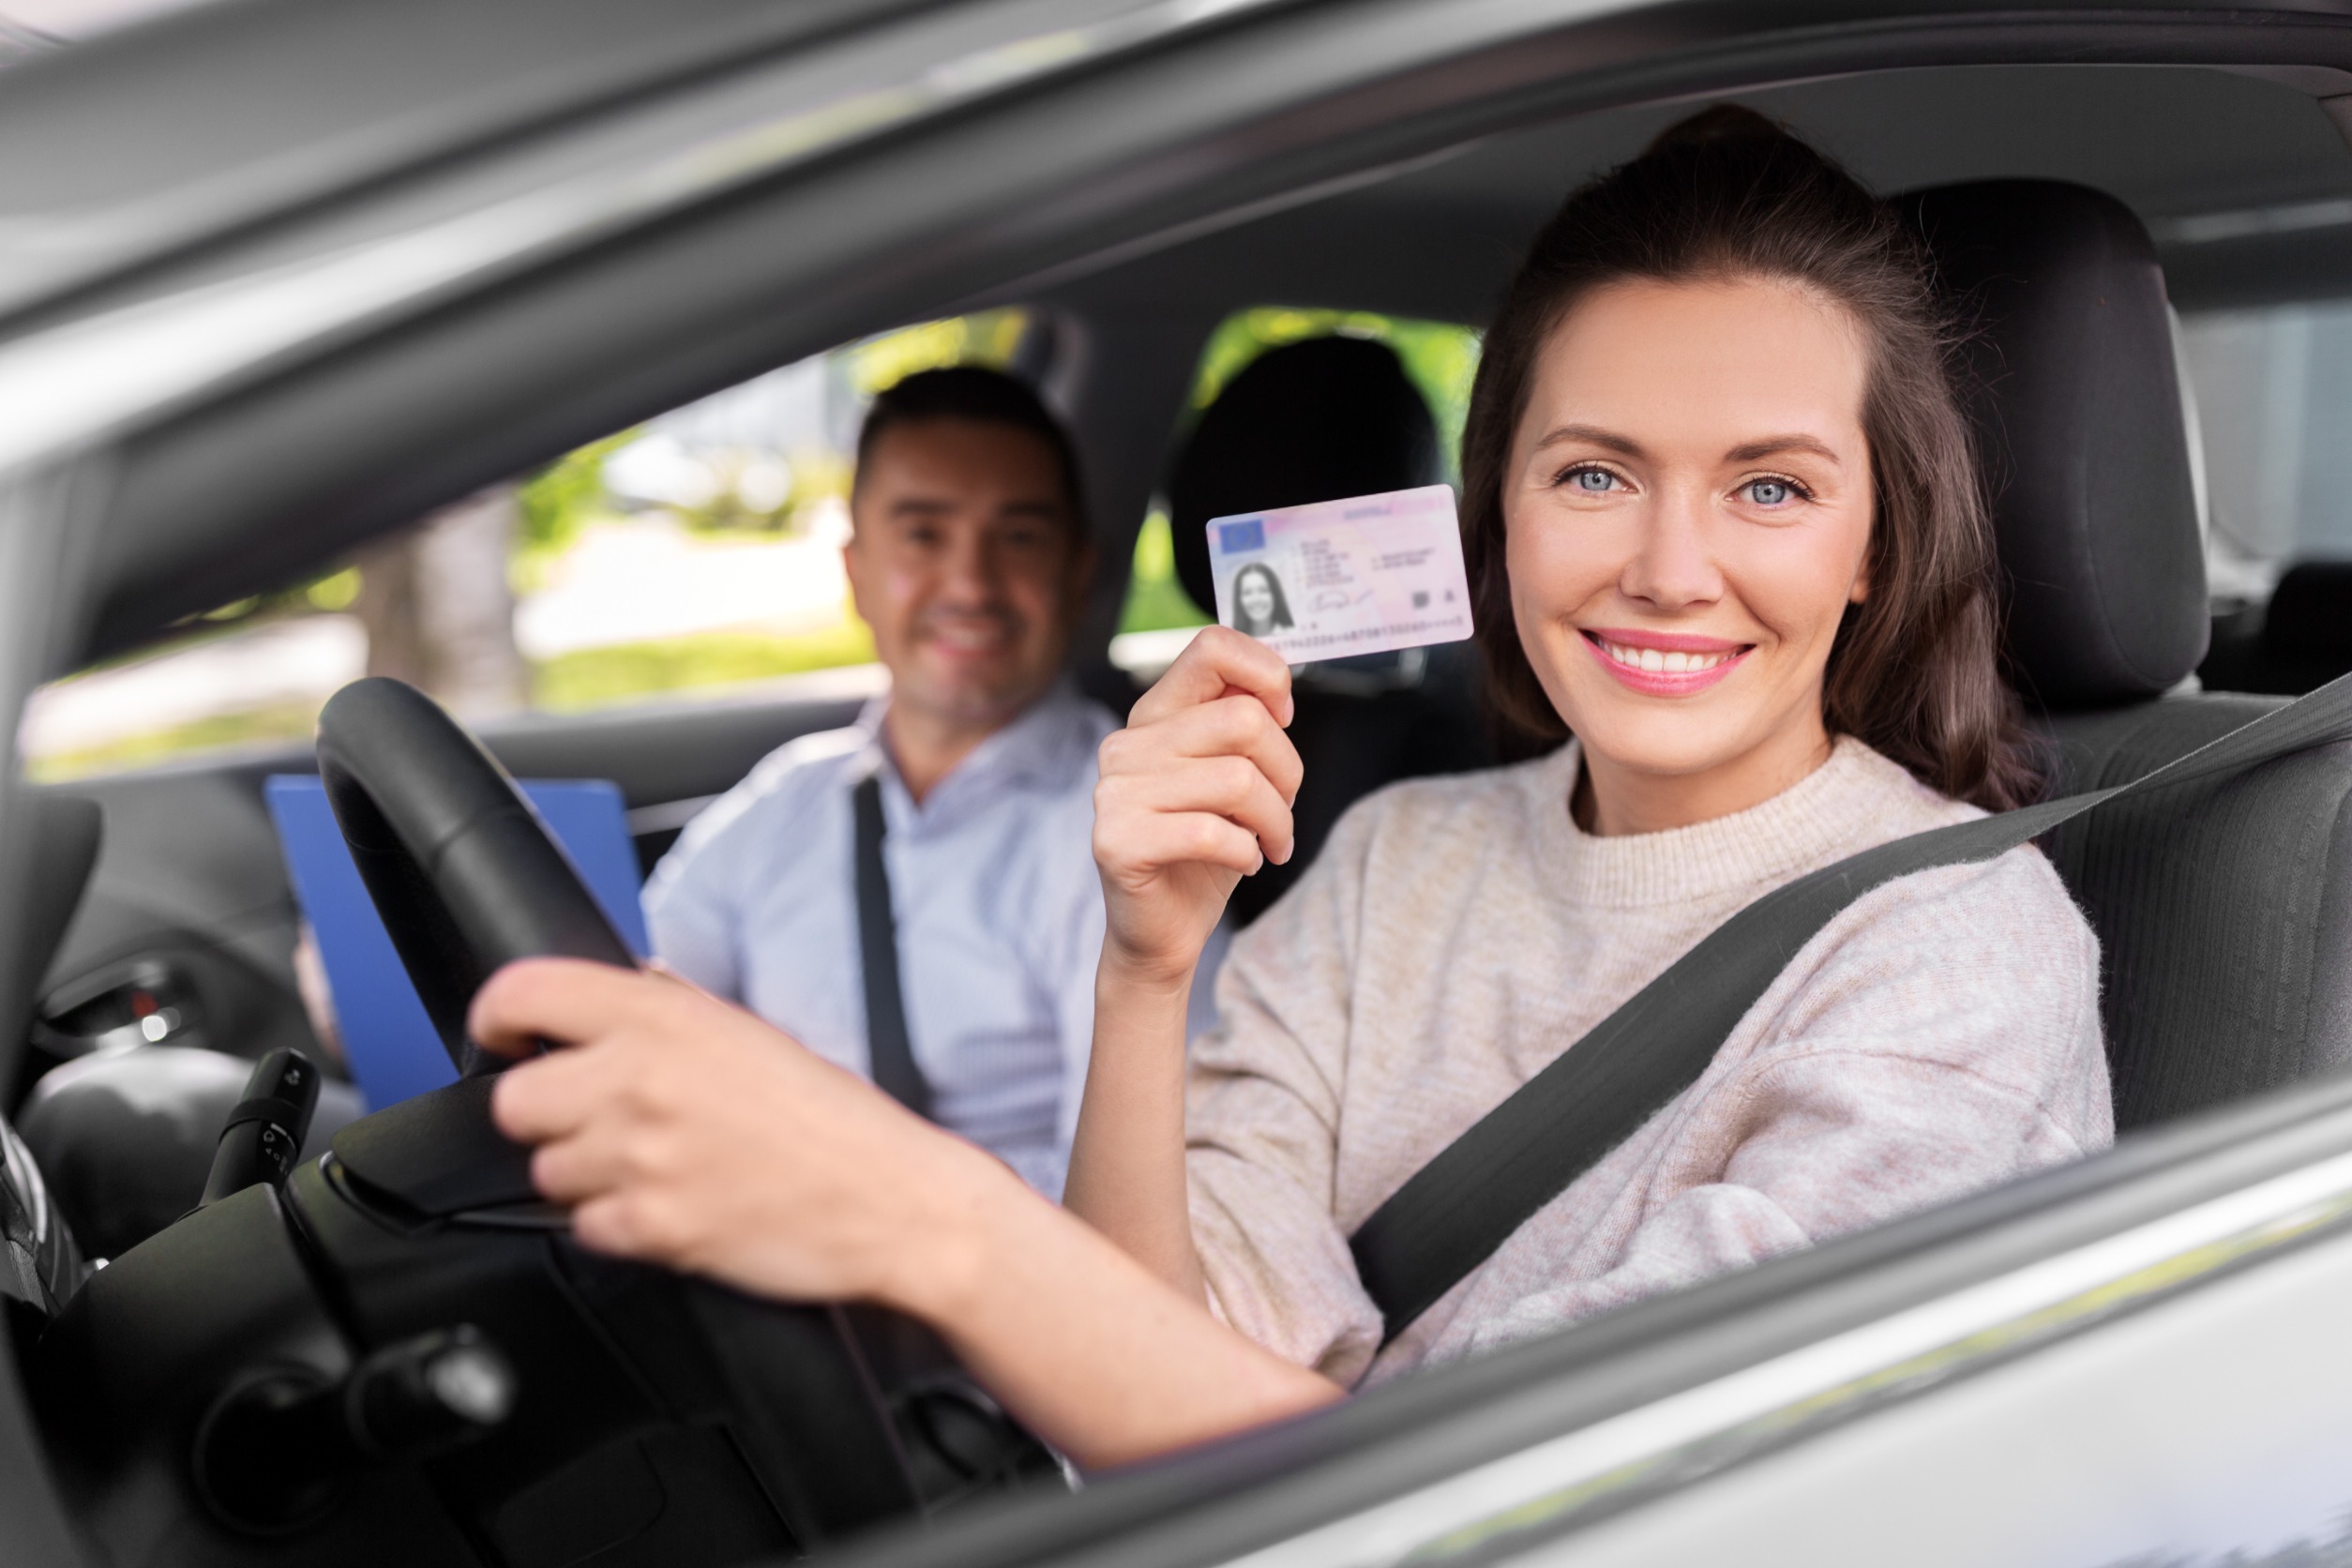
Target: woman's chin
(1650,755)
(1663,736)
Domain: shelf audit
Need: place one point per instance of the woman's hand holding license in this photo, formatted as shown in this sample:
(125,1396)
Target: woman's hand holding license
(1193,794)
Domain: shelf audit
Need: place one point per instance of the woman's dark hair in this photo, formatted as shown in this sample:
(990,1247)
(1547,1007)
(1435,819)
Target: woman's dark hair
(1280,620)
(1915,670)
(982,396)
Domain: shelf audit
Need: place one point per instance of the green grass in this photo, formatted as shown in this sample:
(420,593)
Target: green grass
(276,725)
(627,671)
(592,678)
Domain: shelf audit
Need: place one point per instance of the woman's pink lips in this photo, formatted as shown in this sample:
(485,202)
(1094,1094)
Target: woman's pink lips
(1667,683)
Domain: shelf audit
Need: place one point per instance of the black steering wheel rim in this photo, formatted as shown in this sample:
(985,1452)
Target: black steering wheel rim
(459,864)
(466,879)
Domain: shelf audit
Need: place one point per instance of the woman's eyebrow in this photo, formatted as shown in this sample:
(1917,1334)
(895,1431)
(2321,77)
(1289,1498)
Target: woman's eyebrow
(1593,434)
(1773,445)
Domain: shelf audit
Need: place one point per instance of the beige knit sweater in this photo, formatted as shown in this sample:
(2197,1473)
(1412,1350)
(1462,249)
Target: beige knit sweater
(1456,934)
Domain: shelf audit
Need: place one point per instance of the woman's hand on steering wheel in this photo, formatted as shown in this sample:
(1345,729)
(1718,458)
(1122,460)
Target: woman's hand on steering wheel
(661,1129)
(684,1132)
(1193,794)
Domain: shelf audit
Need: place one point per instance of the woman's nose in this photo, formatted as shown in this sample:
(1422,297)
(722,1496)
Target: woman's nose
(1672,568)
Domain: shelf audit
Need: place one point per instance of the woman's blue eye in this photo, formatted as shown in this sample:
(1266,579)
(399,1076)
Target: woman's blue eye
(1593,481)
(1770,493)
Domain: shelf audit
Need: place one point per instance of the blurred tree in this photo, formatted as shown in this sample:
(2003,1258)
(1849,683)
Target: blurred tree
(440,610)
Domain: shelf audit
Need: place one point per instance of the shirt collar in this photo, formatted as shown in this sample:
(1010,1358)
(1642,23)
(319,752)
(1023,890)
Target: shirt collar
(1042,744)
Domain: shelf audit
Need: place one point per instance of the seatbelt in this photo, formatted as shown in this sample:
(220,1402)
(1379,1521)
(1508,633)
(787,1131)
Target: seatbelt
(889,1055)
(1452,1213)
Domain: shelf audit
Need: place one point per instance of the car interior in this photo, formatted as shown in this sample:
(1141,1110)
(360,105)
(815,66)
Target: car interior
(2070,209)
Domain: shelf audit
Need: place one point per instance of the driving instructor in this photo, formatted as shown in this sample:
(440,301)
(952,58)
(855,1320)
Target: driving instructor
(913,898)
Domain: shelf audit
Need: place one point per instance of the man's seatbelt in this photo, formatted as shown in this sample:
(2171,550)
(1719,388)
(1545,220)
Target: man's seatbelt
(889,1053)
(1456,1211)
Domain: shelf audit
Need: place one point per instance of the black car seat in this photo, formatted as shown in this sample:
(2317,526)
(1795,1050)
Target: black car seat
(2224,911)
(2297,642)
(1320,420)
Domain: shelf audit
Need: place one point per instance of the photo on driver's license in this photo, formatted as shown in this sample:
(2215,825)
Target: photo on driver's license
(1366,574)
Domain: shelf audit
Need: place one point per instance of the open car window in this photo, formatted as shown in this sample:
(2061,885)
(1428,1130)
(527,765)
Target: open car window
(2274,402)
(696,551)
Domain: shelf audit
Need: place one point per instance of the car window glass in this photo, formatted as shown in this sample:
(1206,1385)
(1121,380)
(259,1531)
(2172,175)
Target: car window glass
(698,549)
(1440,357)
(2274,403)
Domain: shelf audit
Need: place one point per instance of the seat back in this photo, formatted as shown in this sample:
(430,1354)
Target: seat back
(2223,910)
(1320,420)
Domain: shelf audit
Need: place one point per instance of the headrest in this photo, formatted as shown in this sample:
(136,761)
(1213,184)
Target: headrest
(1319,420)
(2076,402)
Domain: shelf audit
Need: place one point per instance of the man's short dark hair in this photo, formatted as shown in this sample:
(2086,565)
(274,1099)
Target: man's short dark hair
(983,397)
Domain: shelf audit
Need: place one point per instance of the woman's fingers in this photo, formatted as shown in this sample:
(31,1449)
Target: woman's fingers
(1194,791)
(682,1130)
(1233,725)
(574,1170)
(1229,787)
(1167,839)
(1218,661)
(553,1097)
(1227,757)
(536,1000)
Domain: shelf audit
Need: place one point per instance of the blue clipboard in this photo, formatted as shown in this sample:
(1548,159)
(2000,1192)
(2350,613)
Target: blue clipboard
(391,1045)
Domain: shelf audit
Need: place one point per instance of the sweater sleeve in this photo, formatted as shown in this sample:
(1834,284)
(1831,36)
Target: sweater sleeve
(1262,1122)
(1939,1037)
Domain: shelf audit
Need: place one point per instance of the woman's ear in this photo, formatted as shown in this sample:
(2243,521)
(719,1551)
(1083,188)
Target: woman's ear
(1859,592)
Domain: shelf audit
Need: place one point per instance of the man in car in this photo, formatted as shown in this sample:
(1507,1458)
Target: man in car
(914,897)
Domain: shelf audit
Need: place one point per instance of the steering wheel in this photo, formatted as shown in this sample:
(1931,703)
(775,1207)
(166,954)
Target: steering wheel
(228,1364)
(462,872)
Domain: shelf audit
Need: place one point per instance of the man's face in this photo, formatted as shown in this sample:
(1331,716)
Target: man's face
(966,561)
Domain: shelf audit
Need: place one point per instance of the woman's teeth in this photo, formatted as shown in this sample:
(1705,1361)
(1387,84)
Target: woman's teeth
(1659,660)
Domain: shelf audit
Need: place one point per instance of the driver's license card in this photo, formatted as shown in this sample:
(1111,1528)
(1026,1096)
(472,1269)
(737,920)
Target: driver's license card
(1361,576)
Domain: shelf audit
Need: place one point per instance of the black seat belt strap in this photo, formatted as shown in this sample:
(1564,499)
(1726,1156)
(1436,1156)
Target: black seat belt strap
(889,1052)
(1452,1214)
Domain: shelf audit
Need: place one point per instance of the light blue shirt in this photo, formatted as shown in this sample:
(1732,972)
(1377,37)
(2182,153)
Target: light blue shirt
(992,882)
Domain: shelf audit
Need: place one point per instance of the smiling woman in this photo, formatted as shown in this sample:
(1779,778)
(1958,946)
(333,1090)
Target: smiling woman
(1662,553)
(1725,525)
(1786,450)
